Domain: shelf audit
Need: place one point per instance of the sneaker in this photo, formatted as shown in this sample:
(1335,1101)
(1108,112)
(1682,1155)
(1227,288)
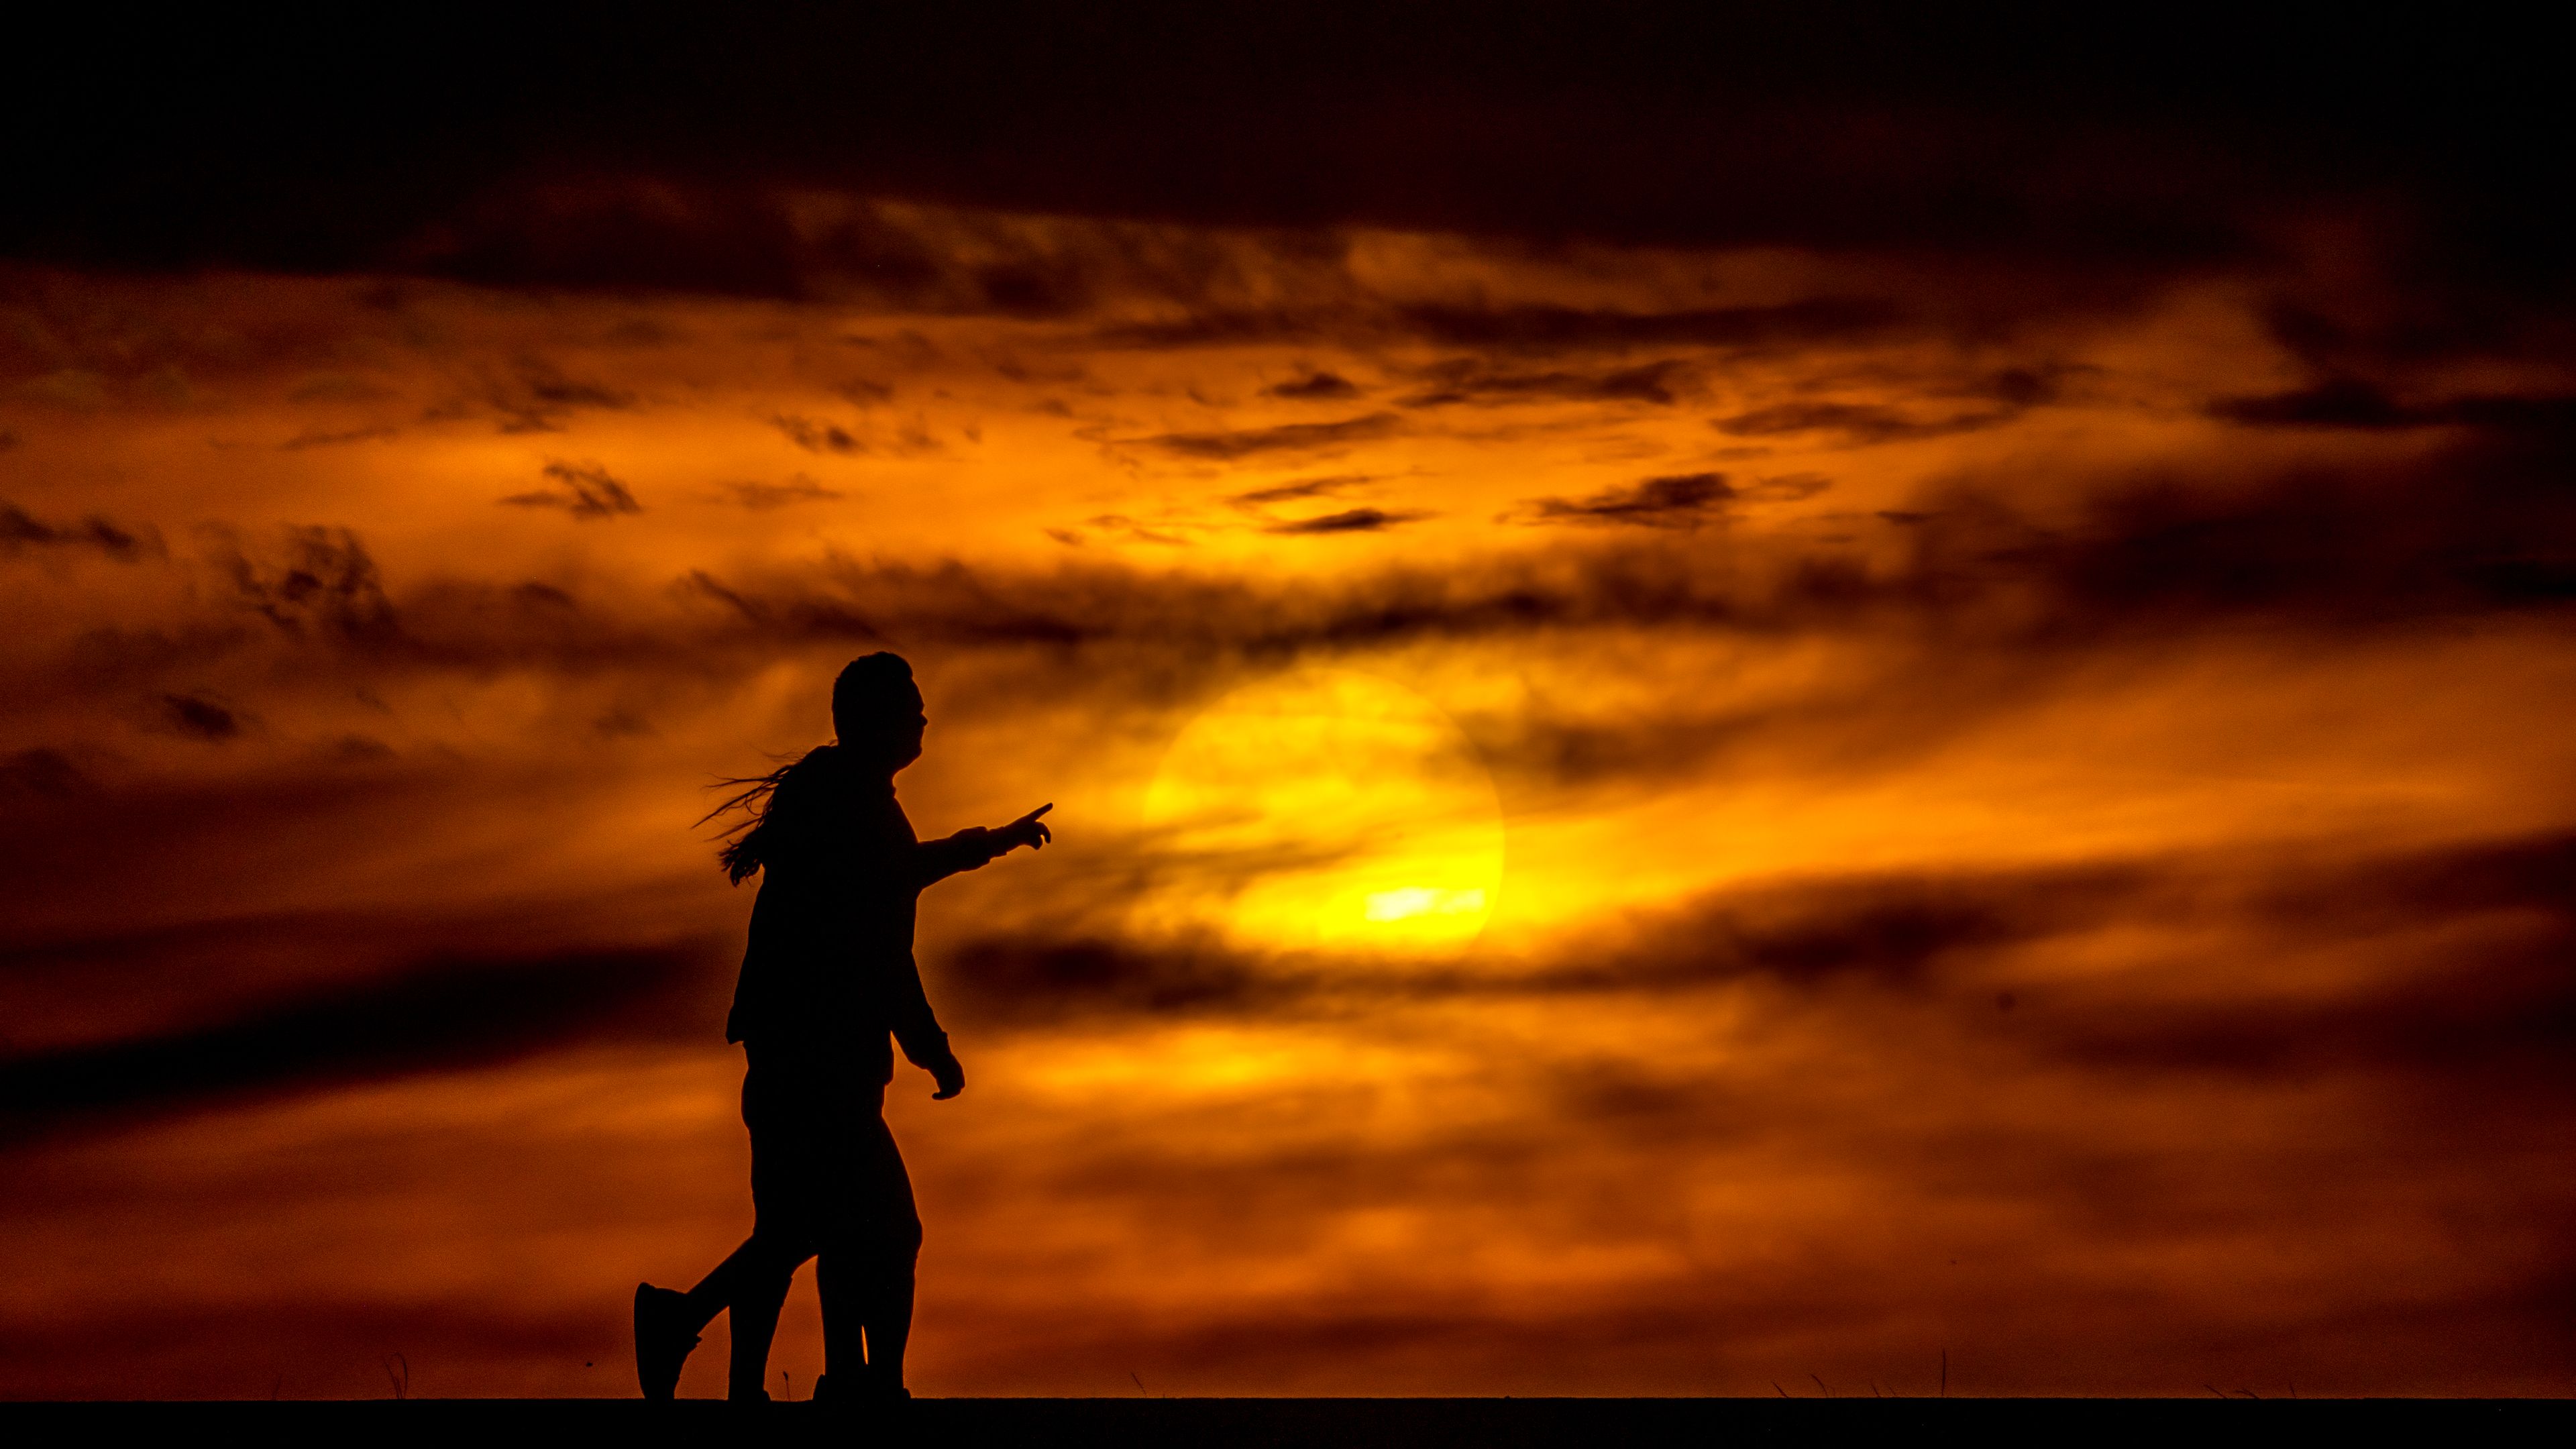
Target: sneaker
(662,1341)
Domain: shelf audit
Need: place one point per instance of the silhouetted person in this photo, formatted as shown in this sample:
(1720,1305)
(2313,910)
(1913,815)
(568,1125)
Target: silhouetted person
(828,976)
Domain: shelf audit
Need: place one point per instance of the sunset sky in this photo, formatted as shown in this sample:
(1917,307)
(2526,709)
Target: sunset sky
(1733,706)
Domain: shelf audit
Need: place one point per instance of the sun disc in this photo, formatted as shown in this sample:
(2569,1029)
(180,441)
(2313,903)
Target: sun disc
(1327,809)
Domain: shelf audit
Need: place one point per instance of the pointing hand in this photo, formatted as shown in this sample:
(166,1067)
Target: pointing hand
(1028,830)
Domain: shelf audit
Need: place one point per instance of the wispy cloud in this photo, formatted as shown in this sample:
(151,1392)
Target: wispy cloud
(1349,520)
(20,530)
(1315,387)
(1228,445)
(800,489)
(584,490)
(1683,500)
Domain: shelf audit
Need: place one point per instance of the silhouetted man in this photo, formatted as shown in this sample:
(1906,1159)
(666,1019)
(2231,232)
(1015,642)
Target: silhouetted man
(828,976)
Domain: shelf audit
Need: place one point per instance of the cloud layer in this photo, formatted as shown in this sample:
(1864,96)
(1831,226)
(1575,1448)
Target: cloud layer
(2026,699)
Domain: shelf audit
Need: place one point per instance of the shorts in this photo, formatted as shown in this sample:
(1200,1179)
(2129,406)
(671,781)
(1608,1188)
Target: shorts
(825,1172)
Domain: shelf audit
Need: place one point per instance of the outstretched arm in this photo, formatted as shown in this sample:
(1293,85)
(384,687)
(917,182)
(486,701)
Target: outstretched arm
(971,848)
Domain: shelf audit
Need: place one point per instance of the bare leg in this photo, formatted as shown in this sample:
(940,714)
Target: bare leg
(715,1292)
(867,1318)
(889,1314)
(755,1322)
(753,1283)
(845,1320)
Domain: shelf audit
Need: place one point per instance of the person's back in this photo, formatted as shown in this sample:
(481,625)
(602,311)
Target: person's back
(828,971)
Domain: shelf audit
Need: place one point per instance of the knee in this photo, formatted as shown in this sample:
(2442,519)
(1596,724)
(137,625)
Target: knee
(779,1255)
(896,1240)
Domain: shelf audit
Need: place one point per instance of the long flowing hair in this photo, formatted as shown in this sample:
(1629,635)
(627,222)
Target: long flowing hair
(746,841)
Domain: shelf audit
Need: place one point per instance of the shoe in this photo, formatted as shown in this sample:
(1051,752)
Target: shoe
(662,1341)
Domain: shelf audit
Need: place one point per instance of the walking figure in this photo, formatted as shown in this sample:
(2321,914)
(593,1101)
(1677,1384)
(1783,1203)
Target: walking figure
(827,977)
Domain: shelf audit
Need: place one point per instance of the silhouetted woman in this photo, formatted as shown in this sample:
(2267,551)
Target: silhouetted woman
(828,976)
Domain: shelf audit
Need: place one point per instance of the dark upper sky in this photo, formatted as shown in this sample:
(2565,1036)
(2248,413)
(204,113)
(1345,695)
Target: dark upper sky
(2157,137)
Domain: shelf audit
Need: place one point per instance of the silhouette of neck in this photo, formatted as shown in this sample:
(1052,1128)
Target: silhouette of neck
(877,760)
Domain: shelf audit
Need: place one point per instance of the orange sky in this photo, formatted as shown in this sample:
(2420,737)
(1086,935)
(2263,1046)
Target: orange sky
(1630,819)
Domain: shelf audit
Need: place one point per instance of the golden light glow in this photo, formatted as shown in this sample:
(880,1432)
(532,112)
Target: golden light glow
(1328,808)
(1950,897)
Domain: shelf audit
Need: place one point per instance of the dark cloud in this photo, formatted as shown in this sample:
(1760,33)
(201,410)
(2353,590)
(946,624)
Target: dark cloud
(1125,527)
(1212,326)
(310,580)
(817,437)
(1541,329)
(42,773)
(1349,520)
(585,490)
(2343,403)
(1784,488)
(622,723)
(2352,403)
(1284,438)
(605,233)
(1302,488)
(2485,527)
(635,229)
(760,496)
(542,595)
(1466,381)
(1858,423)
(327,438)
(537,396)
(435,1015)
(1541,751)
(199,718)
(2475,1008)
(205,920)
(1526,331)
(1316,386)
(1043,980)
(2022,387)
(1683,500)
(358,749)
(20,530)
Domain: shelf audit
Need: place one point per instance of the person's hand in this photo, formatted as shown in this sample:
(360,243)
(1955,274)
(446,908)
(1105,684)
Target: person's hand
(950,1075)
(1028,830)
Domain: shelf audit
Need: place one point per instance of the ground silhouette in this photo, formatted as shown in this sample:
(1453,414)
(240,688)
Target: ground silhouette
(1151,1423)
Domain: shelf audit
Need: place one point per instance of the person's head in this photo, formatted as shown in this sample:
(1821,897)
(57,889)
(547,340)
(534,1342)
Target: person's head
(876,710)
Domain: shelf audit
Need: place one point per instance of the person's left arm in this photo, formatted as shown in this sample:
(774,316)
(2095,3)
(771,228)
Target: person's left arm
(917,1031)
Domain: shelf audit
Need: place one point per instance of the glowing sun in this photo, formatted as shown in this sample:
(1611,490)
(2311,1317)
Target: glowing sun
(1328,809)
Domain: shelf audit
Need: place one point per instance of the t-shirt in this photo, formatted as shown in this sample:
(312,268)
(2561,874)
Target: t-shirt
(829,973)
